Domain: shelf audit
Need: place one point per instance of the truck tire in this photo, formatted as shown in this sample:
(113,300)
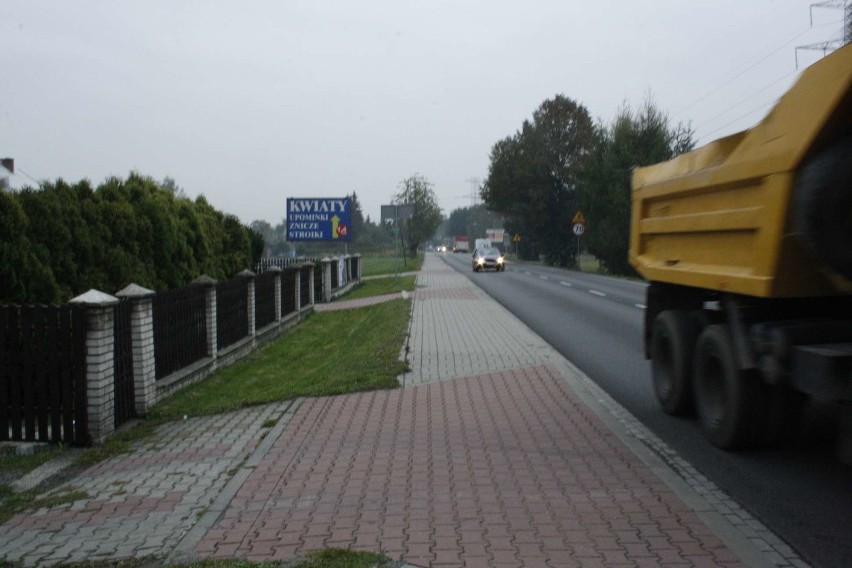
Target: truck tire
(823,207)
(673,337)
(725,396)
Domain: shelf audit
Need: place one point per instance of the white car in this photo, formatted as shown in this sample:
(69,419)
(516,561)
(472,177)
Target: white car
(488,257)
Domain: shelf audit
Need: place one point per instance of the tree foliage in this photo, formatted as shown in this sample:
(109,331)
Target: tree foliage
(635,138)
(62,239)
(533,176)
(472,221)
(417,191)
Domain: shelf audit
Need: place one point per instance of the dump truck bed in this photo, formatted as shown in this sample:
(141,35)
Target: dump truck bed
(719,217)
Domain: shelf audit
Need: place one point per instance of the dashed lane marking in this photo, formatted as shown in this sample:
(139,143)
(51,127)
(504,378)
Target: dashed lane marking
(596,293)
(640,306)
(566,284)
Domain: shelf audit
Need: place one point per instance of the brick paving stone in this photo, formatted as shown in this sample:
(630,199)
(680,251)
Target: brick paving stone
(488,456)
(142,491)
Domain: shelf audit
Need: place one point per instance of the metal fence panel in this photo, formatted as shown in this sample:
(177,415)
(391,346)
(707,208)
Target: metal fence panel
(264,300)
(231,311)
(180,329)
(43,374)
(288,290)
(125,399)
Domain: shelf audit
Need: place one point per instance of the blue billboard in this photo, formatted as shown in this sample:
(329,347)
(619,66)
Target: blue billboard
(319,219)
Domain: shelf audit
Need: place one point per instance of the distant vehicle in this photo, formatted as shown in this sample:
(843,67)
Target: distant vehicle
(481,244)
(488,258)
(461,244)
(441,248)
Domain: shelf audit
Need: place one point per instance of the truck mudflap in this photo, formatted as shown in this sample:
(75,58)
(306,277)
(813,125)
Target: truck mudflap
(823,371)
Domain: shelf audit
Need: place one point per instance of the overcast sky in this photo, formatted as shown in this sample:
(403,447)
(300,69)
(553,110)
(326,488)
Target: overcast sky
(251,102)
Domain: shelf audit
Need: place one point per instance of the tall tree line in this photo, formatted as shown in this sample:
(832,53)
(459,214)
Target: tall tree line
(634,138)
(61,239)
(472,221)
(560,162)
(533,176)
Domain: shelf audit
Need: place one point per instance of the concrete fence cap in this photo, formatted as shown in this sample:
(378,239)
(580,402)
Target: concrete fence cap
(95,298)
(204,280)
(134,291)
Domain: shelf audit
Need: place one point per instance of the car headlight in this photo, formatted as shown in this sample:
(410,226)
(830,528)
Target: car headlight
(480,260)
(499,260)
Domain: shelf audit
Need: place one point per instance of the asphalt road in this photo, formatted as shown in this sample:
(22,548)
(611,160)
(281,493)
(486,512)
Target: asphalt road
(799,491)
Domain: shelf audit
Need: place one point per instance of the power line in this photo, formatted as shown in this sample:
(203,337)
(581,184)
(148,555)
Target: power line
(763,89)
(34,180)
(764,106)
(741,102)
(749,68)
(741,73)
(832,44)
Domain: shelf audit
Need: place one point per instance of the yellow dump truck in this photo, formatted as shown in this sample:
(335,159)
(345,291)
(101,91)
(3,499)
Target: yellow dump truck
(747,246)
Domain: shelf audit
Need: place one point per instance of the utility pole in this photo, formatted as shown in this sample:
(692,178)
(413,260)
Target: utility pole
(474,190)
(831,45)
(8,164)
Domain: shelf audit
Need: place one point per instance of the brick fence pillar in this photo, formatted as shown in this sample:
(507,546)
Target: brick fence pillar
(311,277)
(142,339)
(326,280)
(278,277)
(298,288)
(250,304)
(100,362)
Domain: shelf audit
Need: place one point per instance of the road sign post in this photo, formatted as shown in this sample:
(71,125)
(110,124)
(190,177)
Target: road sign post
(578,228)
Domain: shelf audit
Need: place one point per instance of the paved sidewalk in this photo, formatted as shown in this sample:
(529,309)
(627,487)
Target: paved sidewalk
(496,452)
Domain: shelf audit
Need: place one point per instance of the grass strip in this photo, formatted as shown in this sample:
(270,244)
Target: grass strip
(14,465)
(380,286)
(330,353)
(380,265)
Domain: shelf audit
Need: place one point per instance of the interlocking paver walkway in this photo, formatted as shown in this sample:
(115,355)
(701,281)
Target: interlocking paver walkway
(457,330)
(143,502)
(507,468)
(495,452)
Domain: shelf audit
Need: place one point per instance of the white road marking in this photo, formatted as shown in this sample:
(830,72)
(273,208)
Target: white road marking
(566,284)
(543,277)
(596,293)
(641,306)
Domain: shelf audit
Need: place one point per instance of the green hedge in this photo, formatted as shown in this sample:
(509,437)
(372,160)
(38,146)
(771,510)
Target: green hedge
(60,240)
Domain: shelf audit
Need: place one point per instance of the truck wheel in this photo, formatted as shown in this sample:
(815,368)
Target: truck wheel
(673,337)
(823,207)
(724,395)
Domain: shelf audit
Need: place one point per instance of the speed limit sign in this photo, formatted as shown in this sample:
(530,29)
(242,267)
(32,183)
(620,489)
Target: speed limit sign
(579,229)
